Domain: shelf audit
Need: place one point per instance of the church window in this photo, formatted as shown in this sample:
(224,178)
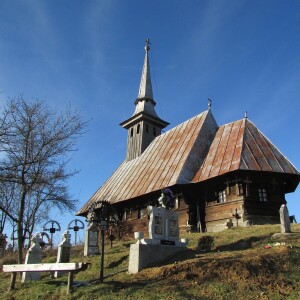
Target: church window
(126,215)
(221,197)
(177,203)
(138,129)
(131,132)
(140,213)
(154,131)
(263,195)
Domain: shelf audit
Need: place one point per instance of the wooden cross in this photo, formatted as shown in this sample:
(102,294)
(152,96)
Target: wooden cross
(274,182)
(147,47)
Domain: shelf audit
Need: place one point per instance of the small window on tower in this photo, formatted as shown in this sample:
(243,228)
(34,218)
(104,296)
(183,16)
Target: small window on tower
(154,131)
(131,132)
(138,129)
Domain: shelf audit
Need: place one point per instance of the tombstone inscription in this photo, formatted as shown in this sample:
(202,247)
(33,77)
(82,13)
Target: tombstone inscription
(63,252)
(91,245)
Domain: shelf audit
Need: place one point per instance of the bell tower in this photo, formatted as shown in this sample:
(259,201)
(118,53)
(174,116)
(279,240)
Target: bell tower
(144,125)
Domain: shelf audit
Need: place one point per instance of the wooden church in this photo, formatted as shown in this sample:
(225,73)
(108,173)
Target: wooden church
(217,173)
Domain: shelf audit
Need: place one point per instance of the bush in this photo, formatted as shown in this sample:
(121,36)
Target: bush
(205,243)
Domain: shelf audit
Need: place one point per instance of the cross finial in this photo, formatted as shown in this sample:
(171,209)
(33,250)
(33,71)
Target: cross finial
(246,115)
(209,103)
(147,47)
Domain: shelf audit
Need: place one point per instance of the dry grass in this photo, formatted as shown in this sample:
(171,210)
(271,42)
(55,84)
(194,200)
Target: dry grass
(239,267)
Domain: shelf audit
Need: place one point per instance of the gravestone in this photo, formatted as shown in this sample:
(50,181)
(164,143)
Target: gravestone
(33,256)
(284,219)
(163,239)
(91,244)
(64,252)
(163,225)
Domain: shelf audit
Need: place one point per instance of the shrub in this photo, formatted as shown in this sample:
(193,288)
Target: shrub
(205,243)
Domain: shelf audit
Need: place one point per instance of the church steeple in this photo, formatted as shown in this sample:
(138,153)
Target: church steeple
(145,90)
(144,125)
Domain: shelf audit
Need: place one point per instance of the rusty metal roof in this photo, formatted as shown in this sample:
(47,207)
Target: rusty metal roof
(172,158)
(241,146)
(194,151)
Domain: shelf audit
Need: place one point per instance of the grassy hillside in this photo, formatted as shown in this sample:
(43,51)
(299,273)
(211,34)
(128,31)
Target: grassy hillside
(240,266)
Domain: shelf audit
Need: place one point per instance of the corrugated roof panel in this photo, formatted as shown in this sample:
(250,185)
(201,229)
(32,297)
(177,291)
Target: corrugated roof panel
(254,143)
(221,151)
(205,170)
(283,164)
(230,149)
(267,149)
(169,159)
(190,137)
(236,159)
(248,159)
(199,150)
(147,163)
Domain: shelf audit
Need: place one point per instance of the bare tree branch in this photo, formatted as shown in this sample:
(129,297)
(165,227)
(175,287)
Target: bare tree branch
(34,144)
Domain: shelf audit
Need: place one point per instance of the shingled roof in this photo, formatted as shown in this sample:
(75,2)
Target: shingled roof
(172,158)
(241,146)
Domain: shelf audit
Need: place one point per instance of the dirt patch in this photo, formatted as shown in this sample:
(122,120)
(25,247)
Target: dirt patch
(261,268)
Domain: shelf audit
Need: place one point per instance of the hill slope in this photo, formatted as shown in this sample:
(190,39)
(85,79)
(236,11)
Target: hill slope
(245,263)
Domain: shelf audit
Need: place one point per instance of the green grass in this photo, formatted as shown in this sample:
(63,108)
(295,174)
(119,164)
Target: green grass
(228,272)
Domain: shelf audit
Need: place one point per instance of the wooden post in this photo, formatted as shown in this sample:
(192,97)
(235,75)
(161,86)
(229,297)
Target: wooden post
(12,281)
(102,256)
(70,282)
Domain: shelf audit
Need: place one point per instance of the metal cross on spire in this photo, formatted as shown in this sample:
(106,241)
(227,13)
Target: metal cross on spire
(147,47)
(209,103)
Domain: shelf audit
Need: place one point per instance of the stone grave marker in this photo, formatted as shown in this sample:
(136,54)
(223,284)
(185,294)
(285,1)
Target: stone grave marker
(163,224)
(64,252)
(91,244)
(163,239)
(284,219)
(33,256)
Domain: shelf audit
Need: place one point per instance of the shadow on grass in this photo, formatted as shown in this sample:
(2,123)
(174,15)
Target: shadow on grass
(185,255)
(242,244)
(148,287)
(116,263)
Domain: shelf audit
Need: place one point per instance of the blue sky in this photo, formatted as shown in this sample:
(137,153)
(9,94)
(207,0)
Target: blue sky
(244,55)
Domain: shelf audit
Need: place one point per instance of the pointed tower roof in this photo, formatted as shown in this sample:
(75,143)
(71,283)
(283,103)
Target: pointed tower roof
(144,104)
(145,90)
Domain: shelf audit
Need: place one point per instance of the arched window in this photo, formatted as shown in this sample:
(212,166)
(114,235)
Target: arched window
(138,129)
(131,132)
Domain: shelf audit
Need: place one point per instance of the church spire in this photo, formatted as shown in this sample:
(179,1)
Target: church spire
(145,90)
(144,125)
